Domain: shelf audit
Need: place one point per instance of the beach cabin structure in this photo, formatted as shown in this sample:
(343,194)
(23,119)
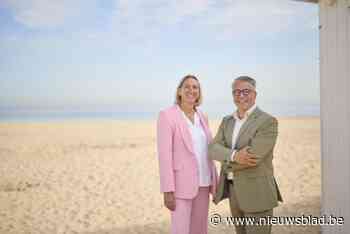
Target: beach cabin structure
(334,26)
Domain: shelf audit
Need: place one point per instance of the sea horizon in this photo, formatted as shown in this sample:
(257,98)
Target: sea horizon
(58,116)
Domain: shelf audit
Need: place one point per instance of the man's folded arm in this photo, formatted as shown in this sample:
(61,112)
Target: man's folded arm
(265,139)
(218,151)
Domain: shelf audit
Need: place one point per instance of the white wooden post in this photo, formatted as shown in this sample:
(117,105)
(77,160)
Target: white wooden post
(335,112)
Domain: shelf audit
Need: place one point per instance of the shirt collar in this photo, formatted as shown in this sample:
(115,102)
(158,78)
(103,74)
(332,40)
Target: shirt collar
(246,114)
(196,118)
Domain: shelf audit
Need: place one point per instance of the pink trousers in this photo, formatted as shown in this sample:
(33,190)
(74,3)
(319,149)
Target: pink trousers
(191,215)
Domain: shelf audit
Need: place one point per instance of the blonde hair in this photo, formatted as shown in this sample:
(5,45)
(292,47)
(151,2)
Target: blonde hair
(178,97)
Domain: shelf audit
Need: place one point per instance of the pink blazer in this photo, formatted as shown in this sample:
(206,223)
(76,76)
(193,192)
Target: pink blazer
(177,162)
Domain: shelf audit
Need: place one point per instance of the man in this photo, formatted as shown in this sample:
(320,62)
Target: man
(244,145)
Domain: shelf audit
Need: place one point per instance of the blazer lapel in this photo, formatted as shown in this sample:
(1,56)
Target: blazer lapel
(251,119)
(229,129)
(205,127)
(185,133)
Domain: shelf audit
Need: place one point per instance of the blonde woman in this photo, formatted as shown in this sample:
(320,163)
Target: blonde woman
(187,176)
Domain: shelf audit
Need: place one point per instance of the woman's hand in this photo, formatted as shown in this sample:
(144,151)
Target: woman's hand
(169,200)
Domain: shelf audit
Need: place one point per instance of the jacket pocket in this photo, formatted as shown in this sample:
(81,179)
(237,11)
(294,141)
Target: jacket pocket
(251,173)
(178,166)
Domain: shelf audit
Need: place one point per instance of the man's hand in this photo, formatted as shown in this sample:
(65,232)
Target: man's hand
(243,157)
(169,200)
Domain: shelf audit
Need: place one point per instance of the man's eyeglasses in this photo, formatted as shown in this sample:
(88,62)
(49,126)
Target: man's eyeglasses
(245,92)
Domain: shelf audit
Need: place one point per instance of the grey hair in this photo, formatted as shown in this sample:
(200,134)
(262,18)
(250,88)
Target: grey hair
(246,79)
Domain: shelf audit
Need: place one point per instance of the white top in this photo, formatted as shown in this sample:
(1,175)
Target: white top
(200,146)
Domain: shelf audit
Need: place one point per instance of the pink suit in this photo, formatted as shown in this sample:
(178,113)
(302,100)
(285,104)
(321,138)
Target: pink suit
(179,171)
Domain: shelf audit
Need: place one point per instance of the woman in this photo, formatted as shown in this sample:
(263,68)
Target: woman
(187,176)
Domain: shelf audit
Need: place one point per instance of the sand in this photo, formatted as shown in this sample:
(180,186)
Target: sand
(94,177)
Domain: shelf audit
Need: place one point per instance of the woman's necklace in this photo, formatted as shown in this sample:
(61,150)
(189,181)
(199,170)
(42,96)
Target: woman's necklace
(190,115)
(189,112)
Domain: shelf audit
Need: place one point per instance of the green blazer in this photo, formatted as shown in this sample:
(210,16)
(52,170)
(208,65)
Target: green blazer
(255,187)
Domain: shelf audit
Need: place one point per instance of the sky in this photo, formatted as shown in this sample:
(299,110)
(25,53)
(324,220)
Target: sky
(129,55)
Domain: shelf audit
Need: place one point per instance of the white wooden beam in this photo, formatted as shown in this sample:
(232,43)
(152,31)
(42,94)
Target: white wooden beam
(313,1)
(326,2)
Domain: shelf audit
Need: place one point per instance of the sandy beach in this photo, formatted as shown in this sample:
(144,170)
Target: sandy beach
(98,177)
